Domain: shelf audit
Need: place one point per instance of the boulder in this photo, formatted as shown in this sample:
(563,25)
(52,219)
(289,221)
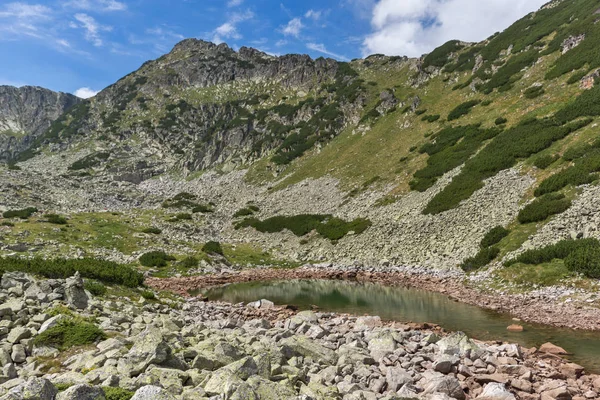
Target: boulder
(571,370)
(495,391)
(552,349)
(33,389)
(75,292)
(152,393)
(444,364)
(456,344)
(301,345)
(446,385)
(82,392)
(52,322)
(19,333)
(149,348)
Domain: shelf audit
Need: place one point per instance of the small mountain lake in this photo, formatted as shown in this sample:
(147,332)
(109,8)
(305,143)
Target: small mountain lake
(411,305)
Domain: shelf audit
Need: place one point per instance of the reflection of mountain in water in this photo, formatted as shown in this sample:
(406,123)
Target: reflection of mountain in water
(401,304)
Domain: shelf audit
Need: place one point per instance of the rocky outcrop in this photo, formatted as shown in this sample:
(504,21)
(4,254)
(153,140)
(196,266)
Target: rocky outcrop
(26,113)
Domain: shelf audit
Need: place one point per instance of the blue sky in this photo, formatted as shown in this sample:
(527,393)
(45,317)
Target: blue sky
(70,45)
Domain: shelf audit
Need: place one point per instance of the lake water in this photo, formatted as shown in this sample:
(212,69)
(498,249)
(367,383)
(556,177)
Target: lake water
(411,305)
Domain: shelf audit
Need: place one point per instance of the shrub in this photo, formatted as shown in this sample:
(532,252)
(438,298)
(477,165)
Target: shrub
(155,259)
(102,270)
(55,219)
(90,161)
(95,288)
(116,393)
(483,258)
(300,225)
(22,214)
(152,230)
(575,152)
(544,162)
(202,208)
(462,109)
(148,295)
(542,208)
(500,121)
(439,56)
(533,92)
(587,104)
(431,118)
(189,262)
(181,217)
(585,260)
(70,333)
(494,236)
(559,250)
(212,247)
(7,223)
(244,212)
(486,103)
(578,174)
(576,77)
(421,111)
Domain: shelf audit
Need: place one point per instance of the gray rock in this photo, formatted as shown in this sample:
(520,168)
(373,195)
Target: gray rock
(82,392)
(19,333)
(447,385)
(33,389)
(75,292)
(149,348)
(152,393)
(495,391)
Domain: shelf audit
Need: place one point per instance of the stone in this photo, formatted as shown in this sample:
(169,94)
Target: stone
(456,344)
(52,322)
(34,389)
(444,364)
(447,385)
(363,323)
(267,390)
(18,354)
(552,349)
(495,391)
(149,348)
(19,333)
(152,393)
(515,328)
(396,378)
(301,345)
(381,345)
(75,293)
(82,392)
(571,370)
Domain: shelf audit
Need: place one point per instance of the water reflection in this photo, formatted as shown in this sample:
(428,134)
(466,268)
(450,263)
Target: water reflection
(401,304)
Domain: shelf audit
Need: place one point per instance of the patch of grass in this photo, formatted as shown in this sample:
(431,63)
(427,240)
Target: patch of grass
(439,56)
(116,393)
(213,247)
(181,217)
(189,262)
(55,219)
(70,333)
(22,214)
(576,77)
(95,288)
(544,162)
(155,259)
(152,230)
(462,109)
(542,208)
(580,173)
(545,274)
(7,223)
(559,250)
(494,236)
(102,270)
(533,92)
(89,161)
(148,295)
(500,121)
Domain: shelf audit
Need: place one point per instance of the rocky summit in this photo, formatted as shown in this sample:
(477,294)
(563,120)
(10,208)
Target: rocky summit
(471,171)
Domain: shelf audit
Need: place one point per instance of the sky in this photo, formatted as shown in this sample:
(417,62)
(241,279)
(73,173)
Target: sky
(82,46)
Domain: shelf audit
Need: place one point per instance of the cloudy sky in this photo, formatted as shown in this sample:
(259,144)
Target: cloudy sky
(82,46)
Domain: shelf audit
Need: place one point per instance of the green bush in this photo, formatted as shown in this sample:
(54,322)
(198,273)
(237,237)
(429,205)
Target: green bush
(189,262)
(155,259)
(421,111)
(7,223)
(483,258)
(202,208)
(181,217)
(510,72)
(486,103)
(559,250)
(587,104)
(576,77)
(102,270)
(540,209)
(500,121)
(462,109)
(95,288)
(152,230)
(494,236)
(70,333)
(439,56)
(533,92)
(586,261)
(431,118)
(22,214)
(55,219)
(243,212)
(578,174)
(148,295)
(544,162)
(212,247)
(90,161)
(116,393)
(575,152)
(300,225)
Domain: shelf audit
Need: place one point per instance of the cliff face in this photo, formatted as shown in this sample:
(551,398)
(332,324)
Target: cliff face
(26,113)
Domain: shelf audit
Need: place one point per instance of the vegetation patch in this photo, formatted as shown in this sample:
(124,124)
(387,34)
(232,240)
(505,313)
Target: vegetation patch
(102,270)
(462,109)
(481,259)
(439,57)
(431,118)
(70,333)
(55,219)
(155,259)
(533,92)
(494,236)
(152,230)
(327,226)
(95,288)
(544,162)
(90,161)
(580,173)
(22,214)
(246,211)
(117,393)
(542,208)
(213,247)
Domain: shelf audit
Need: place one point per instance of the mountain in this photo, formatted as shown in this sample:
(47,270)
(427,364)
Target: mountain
(469,156)
(26,113)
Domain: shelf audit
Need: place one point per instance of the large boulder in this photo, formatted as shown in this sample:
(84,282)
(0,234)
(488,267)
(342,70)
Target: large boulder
(152,393)
(495,391)
(228,378)
(82,392)
(75,292)
(301,345)
(457,344)
(446,385)
(33,389)
(149,348)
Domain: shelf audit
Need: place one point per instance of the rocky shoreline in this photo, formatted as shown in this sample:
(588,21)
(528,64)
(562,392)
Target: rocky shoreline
(530,307)
(191,349)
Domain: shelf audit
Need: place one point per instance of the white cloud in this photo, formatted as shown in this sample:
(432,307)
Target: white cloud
(234,3)
(312,14)
(293,28)
(86,92)
(91,27)
(229,29)
(399,27)
(22,10)
(96,5)
(281,42)
(319,47)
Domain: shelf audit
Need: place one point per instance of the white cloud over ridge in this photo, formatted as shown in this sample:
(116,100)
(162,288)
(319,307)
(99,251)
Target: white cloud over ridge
(85,93)
(415,27)
(293,28)
(229,29)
